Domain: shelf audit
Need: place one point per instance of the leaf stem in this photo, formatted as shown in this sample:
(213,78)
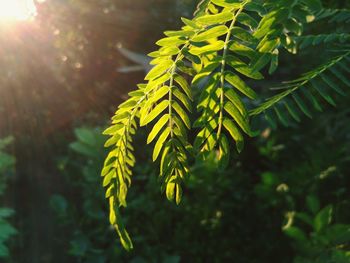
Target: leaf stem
(223,66)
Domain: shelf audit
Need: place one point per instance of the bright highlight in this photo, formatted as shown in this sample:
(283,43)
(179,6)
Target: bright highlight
(17,10)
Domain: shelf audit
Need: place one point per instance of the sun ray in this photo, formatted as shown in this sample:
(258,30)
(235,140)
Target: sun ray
(17,10)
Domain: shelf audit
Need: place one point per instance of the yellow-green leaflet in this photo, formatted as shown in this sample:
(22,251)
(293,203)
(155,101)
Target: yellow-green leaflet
(210,33)
(215,19)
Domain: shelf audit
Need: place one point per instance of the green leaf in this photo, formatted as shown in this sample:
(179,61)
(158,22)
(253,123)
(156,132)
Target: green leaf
(180,125)
(240,85)
(322,92)
(264,27)
(274,62)
(215,19)
(295,233)
(205,72)
(160,93)
(243,35)
(184,85)
(281,116)
(169,51)
(292,111)
(181,112)
(263,60)
(136,93)
(157,127)
(268,21)
(180,33)
(158,70)
(332,84)
(212,8)
(116,221)
(268,45)
(343,64)
(243,50)
(235,133)
(155,83)
(270,102)
(110,191)
(236,115)
(109,131)
(178,194)
(155,112)
(247,20)
(188,70)
(211,33)
(164,164)
(118,117)
(182,97)
(88,137)
(128,104)
(236,100)
(270,120)
(202,7)
(313,204)
(88,150)
(190,23)
(107,179)
(312,99)
(257,7)
(171,41)
(205,133)
(161,140)
(234,4)
(170,190)
(195,59)
(323,218)
(218,45)
(243,68)
(224,151)
(301,105)
(340,76)
(205,140)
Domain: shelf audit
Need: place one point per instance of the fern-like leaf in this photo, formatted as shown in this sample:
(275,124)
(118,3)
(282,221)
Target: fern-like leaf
(340,16)
(226,46)
(308,91)
(118,164)
(314,40)
(250,35)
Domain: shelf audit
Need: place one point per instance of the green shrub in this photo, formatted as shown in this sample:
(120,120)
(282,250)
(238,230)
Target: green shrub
(6,167)
(272,208)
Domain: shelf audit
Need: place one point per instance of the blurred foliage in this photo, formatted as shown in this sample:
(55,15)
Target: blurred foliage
(6,168)
(280,199)
(308,181)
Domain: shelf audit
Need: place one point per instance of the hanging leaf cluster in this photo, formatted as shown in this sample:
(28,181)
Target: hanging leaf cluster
(201,82)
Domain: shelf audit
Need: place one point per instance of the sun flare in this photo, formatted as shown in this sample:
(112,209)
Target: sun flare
(17,10)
